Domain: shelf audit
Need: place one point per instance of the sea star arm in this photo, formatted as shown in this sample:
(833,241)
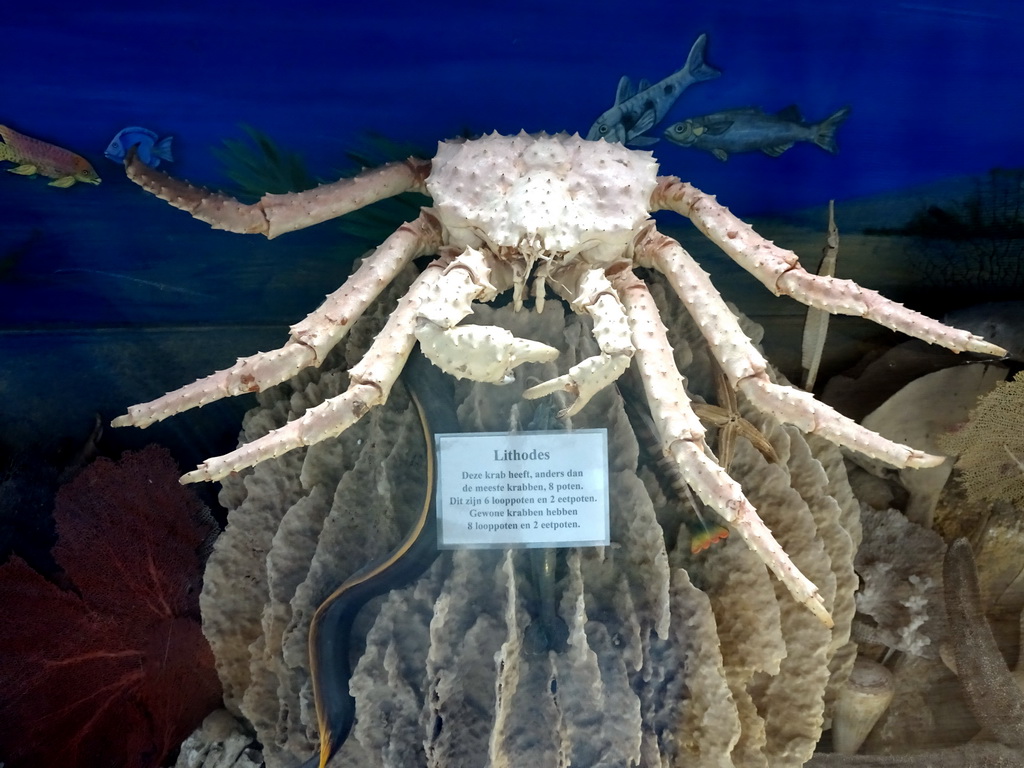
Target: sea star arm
(993,696)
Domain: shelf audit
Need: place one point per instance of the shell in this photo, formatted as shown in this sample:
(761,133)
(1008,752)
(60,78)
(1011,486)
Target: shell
(860,704)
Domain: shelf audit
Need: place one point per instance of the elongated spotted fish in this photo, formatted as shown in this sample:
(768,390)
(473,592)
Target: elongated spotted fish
(34,157)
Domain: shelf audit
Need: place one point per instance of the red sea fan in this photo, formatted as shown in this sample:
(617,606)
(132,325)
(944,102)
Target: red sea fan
(112,670)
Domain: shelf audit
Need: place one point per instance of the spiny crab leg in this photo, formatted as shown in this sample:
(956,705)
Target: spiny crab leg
(682,436)
(445,289)
(274,215)
(311,339)
(370,383)
(747,370)
(780,271)
(595,296)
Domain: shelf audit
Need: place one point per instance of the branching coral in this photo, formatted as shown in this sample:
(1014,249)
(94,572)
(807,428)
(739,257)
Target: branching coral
(991,445)
(111,669)
(899,603)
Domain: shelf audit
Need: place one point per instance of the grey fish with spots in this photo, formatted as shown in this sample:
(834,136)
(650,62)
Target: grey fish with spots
(637,111)
(751,129)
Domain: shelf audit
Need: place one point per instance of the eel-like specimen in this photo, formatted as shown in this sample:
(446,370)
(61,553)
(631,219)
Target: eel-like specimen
(994,698)
(331,628)
(547,631)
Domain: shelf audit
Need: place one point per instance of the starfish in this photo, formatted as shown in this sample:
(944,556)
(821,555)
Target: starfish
(731,424)
(991,692)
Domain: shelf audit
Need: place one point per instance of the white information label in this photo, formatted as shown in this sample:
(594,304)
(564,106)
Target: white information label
(522,489)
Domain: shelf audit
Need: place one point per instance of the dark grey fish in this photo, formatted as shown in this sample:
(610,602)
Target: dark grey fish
(750,129)
(636,112)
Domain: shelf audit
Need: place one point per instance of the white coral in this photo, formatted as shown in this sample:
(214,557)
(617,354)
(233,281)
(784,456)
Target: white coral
(900,600)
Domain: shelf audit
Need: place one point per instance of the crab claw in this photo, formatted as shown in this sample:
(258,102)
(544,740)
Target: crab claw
(484,353)
(585,379)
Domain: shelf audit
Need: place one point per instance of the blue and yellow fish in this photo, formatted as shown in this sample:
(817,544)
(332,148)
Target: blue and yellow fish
(150,148)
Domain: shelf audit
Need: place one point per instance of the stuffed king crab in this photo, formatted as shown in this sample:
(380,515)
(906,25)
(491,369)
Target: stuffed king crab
(540,213)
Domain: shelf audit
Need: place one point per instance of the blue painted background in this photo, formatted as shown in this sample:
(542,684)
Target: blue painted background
(935,88)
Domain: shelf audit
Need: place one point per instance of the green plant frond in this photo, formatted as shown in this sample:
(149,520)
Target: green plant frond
(258,166)
(373,224)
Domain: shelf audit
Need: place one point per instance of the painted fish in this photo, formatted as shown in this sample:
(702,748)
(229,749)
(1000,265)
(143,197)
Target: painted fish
(151,148)
(637,111)
(33,156)
(750,129)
